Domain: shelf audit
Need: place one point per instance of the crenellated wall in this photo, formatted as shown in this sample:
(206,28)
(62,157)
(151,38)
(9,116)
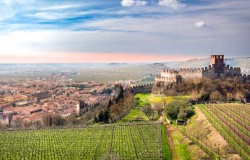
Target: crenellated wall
(232,71)
(173,75)
(216,69)
(190,72)
(146,88)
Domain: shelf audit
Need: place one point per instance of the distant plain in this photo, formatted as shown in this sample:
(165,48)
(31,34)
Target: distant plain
(110,72)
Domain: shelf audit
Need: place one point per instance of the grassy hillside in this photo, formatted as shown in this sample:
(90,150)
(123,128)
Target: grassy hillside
(142,99)
(233,123)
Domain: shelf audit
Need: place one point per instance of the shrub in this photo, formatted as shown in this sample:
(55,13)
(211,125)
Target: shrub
(181,109)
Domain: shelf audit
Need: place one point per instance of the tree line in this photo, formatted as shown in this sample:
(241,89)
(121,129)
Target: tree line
(205,89)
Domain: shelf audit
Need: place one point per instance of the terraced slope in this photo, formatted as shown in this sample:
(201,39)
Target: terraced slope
(233,123)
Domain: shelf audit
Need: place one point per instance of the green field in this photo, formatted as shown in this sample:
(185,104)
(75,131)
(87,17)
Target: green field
(180,147)
(133,141)
(147,98)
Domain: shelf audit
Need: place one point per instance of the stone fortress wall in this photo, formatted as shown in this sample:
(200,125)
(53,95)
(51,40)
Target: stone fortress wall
(83,107)
(216,69)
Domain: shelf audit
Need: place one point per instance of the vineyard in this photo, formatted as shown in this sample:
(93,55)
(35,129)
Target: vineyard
(140,141)
(233,123)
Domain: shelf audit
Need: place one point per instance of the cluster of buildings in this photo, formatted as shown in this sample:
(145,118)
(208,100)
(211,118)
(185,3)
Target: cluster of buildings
(28,100)
(216,69)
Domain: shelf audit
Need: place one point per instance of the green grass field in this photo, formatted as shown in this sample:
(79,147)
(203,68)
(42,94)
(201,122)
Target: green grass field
(136,114)
(133,141)
(181,148)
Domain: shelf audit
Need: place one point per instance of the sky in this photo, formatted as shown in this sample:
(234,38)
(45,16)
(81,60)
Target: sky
(76,31)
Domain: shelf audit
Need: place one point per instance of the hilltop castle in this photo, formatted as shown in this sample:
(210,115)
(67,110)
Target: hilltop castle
(216,69)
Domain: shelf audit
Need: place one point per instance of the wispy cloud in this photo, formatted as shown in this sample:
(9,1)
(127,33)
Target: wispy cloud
(62,7)
(175,4)
(130,3)
(13,2)
(50,15)
(200,24)
(120,26)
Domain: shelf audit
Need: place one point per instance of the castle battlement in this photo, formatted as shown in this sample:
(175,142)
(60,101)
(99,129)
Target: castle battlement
(182,70)
(166,79)
(191,70)
(144,88)
(205,69)
(217,68)
(170,71)
(217,57)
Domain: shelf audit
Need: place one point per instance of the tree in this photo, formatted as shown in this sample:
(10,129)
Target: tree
(239,96)
(182,115)
(164,101)
(104,116)
(172,111)
(47,119)
(159,109)
(96,119)
(106,91)
(109,104)
(204,97)
(58,120)
(50,120)
(147,109)
(189,111)
(181,109)
(100,116)
(216,96)
(230,97)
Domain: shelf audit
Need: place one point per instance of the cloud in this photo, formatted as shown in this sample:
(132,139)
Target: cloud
(130,3)
(151,29)
(7,2)
(61,7)
(13,2)
(48,16)
(175,4)
(200,24)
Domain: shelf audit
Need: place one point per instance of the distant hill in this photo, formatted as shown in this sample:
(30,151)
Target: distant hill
(117,64)
(242,62)
(110,71)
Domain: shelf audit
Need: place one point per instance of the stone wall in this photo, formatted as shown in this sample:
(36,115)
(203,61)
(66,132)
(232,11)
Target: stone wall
(171,75)
(190,72)
(140,88)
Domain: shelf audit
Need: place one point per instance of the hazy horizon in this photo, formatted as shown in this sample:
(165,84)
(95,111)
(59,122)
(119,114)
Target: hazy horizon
(142,61)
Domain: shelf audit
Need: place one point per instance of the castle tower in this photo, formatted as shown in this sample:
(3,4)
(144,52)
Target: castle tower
(217,62)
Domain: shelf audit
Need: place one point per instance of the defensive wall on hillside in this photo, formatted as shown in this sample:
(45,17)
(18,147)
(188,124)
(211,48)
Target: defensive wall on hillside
(146,88)
(216,69)
(82,107)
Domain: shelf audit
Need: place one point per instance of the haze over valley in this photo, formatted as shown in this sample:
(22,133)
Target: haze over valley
(110,72)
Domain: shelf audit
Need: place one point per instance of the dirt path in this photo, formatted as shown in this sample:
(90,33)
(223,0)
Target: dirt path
(161,119)
(170,131)
(180,148)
